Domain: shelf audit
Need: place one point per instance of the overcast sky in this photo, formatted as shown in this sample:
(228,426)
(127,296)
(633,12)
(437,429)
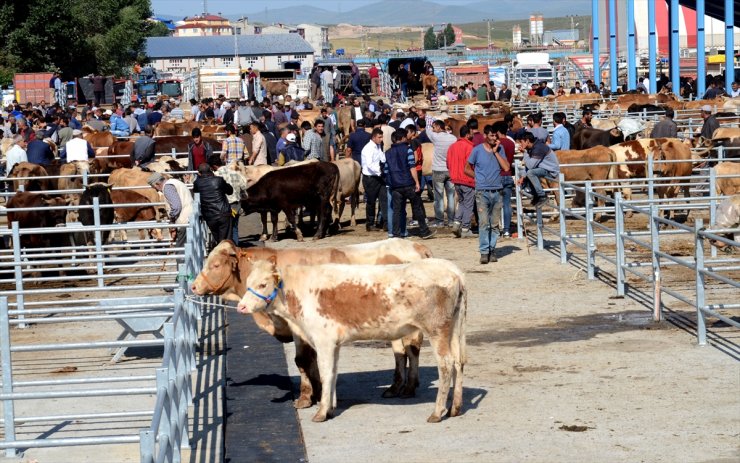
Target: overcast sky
(230,7)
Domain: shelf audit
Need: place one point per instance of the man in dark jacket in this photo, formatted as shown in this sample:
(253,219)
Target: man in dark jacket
(402,180)
(270,142)
(357,140)
(143,151)
(99,89)
(213,203)
(39,152)
(665,128)
(292,151)
(198,151)
(710,122)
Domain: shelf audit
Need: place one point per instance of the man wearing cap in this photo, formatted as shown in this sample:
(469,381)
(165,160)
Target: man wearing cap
(144,147)
(710,122)
(177,202)
(77,149)
(214,204)
(291,152)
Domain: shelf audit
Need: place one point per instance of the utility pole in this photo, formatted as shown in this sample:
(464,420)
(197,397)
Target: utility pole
(205,7)
(488,32)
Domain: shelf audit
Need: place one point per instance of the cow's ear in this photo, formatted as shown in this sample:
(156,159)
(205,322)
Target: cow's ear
(272,260)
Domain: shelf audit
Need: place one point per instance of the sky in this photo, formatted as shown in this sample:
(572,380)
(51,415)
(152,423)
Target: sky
(232,7)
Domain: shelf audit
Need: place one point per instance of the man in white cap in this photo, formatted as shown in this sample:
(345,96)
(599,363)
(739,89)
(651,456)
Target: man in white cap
(710,122)
(178,203)
(77,149)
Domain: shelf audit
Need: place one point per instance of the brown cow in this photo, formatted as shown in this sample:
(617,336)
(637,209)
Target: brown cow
(429,84)
(349,186)
(599,156)
(29,170)
(99,139)
(671,149)
(36,219)
(227,268)
(275,87)
(123,180)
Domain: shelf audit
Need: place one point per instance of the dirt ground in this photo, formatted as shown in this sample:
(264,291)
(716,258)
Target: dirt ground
(558,370)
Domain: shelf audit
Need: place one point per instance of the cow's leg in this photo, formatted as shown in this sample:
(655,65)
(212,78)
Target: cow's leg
(412,347)
(322,209)
(399,374)
(339,210)
(305,360)
(290,216)
(327,356)
(274,217)
(354,202)
(441,348)
(263,217)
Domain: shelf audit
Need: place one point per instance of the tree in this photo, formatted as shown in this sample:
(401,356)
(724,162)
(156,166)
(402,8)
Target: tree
(76,37)
(430,40)
(157,29)
(447,37)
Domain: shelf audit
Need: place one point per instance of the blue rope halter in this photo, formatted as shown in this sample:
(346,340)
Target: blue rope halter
(272,295)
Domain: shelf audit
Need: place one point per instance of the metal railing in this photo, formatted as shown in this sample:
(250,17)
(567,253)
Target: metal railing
(176,316)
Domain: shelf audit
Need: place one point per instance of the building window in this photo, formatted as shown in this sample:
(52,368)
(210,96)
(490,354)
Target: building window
(251,60)
(300,57)
(200,62)
(176,62)
(279,59)
(227,61)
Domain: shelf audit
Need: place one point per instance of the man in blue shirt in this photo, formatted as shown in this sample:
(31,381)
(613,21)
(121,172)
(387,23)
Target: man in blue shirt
(402,180)
(540,161)
(560,138)
(39,152)
(118,126)
(485,165)
(357,140)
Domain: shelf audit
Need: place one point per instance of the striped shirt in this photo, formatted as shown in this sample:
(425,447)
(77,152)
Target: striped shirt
(234,150)
(172,198)
(313,145)
(237,182)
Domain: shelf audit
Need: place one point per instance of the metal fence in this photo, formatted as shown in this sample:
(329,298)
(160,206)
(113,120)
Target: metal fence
(693,274)
(83,295)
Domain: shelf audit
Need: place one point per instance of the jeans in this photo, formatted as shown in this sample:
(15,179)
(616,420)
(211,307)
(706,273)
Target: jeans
(235,207)
(356,84)
(404,89)
(465,204)
(400,195)
(489,211)
(443,189)
(507,192)
(534,175)
(392,217)
(375,191)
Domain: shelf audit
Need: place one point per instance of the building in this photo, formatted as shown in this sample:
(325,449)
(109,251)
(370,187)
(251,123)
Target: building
(242,27)
(180,55)
(317,36)
(203,25)
(561,37)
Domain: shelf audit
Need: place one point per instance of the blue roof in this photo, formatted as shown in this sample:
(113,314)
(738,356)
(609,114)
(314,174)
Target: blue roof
(223,45)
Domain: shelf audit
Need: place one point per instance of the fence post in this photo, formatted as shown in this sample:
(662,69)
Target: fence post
(561,210)
(712,204)
(174,153)
(540,241)
(650,173)
(655,247)
(146,446)
(6,363)
(20,298)
(589,233)
(701,324)
(720,153)
(619,230)
(518,190)
(98,241)
(85,180)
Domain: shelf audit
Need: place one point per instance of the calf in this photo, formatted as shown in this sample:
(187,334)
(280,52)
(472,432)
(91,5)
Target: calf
(332,304)
(41,218)
(102,191)
(730,184)
(349,186)
(227,268)
(311,185)
(587,137)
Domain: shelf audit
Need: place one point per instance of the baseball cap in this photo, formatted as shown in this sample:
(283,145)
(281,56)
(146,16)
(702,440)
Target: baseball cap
(706,108)
(76,132)
(154,178)
(290,137)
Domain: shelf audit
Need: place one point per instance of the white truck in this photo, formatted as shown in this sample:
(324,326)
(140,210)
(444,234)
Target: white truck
(532,68)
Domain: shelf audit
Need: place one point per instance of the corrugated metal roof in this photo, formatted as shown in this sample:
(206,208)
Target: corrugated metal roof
(210,46)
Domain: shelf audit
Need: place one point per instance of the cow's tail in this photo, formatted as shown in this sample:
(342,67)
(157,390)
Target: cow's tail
(335,192)
(611,173)
(458,345)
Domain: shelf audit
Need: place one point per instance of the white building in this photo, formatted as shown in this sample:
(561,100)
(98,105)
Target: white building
(317,36)
(180,55)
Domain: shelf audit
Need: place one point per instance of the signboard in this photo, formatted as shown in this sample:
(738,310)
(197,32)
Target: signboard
(497,74)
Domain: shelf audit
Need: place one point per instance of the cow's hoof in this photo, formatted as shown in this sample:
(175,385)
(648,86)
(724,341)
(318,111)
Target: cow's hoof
(454,411)
(263,237)
(302,402)
(319,417)
(274,239)
(408,392)
(391,392)
(434,418)
(353,223)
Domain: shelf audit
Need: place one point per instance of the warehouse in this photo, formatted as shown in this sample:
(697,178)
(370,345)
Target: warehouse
(179,55)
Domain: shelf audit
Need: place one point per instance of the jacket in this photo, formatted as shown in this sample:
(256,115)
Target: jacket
(399,160)
(293,152)
(208,154)
(457,158)
(213,191)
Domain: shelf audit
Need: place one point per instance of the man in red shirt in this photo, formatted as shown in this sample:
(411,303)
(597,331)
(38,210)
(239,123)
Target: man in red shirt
(457,158)
(374,79)
(500,129)
(477,137)
(198,151)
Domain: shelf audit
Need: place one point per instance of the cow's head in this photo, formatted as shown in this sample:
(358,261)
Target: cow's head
(220,273)
(263,286)
(56,217)
(656,152)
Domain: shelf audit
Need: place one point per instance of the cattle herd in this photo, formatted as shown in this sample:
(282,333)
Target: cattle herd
(386,290)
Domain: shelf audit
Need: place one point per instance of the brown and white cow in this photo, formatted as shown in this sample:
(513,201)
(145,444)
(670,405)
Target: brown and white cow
(728,186)
(131,187)
(349,186)
(227,268)
(671,149)
(599,155)
(333,304)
